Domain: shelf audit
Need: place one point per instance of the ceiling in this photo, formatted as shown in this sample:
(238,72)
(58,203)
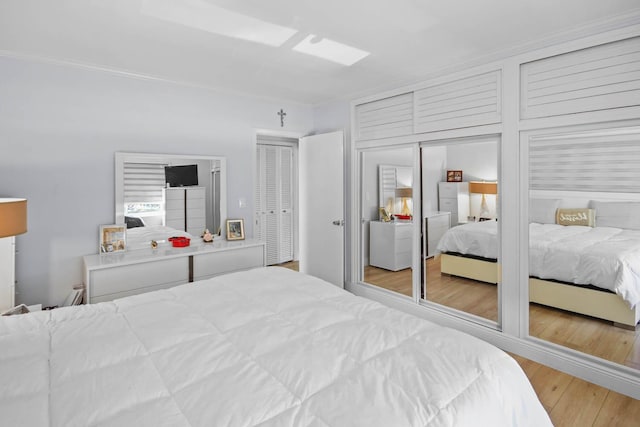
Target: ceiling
(216,43)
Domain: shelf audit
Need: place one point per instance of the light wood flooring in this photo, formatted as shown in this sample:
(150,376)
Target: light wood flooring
(569,401)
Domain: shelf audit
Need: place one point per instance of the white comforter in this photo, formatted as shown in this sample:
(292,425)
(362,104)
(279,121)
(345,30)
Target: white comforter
(267,347)
(605,257)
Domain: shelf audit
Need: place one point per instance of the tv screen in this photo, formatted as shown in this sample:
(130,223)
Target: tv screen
(181,176)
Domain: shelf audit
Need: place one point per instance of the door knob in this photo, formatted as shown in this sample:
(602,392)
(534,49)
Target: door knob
(338,222)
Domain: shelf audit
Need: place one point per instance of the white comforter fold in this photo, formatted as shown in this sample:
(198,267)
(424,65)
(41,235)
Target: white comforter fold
(605,257)
(266,347)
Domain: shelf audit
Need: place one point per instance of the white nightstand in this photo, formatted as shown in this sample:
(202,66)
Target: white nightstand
(390,244)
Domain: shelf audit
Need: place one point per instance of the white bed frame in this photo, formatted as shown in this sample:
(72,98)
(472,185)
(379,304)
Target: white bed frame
(577,299)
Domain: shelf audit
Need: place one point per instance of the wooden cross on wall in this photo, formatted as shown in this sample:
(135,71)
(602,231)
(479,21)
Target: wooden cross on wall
(281,113)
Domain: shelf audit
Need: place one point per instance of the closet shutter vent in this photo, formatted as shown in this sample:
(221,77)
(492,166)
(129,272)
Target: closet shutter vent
(596,78)
(472,101)
(385,118)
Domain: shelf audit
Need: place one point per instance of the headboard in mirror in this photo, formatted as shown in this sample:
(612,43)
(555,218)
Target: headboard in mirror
(141,182)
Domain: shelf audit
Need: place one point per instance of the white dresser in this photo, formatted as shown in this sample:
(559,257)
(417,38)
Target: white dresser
(454,197)
(390,244)
(185,209)
(116,275)
(435,225)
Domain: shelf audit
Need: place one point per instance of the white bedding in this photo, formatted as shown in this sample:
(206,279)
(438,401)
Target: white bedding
(605,257)
(266,347)
(141,237)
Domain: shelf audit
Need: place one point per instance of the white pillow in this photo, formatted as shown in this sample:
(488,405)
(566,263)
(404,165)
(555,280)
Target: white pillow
(617,214)
(543,211)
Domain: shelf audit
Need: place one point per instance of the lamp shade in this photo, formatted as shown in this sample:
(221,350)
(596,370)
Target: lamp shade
(13,217)
(481,187)
(404,192)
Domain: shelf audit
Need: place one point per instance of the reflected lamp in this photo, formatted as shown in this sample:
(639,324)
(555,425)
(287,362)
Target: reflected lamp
(484,188)
(405,193)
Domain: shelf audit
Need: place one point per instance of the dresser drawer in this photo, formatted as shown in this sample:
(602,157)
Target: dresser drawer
(448,189)
(449,205)
(215,263)
(137,276)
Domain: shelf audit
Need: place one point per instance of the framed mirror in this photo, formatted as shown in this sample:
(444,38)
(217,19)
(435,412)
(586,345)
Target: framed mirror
(184,192)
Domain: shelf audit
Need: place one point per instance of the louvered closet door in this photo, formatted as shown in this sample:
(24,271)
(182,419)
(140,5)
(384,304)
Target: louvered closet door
(274,202)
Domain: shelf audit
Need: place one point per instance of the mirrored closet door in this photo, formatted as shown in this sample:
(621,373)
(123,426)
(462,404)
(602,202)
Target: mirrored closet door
(387,226)
(460,213)
(584,239)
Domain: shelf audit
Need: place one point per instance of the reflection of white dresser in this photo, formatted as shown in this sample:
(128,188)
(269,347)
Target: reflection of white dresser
(454,197)
(390,244)
(436,224)
(185,209)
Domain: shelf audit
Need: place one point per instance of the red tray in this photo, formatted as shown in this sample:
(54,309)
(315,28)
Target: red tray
(180,242)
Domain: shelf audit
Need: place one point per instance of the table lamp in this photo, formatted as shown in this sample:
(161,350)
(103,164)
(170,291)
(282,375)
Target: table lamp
(405,193)
(484,188)
(13,221)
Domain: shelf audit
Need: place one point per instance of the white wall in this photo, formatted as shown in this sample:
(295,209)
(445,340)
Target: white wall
(59,129)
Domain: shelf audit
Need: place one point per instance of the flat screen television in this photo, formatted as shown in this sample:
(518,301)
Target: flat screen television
(181,176)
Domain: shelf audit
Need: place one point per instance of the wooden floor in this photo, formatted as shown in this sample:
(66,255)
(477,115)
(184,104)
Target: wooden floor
(569,401)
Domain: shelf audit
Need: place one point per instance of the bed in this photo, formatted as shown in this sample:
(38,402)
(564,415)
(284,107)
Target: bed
(601,262)
(263,347)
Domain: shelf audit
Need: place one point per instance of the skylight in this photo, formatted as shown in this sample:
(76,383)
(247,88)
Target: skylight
(207,17)
(330,50)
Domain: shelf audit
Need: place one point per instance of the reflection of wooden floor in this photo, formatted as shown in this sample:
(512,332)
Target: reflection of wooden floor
(586,334)
(569,401)
(462,294)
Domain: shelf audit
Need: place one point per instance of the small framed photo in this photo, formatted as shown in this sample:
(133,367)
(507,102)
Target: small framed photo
(235,229)
(113,238)
(454,176)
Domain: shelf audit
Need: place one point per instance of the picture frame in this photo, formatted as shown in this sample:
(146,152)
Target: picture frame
(235,229)
(113,238)
(454,176)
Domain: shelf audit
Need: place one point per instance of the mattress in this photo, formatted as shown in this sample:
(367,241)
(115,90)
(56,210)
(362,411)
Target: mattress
(265,347)
(605,257)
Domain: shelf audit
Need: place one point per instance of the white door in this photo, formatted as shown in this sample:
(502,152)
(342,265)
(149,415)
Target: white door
(321,160)
(274,201)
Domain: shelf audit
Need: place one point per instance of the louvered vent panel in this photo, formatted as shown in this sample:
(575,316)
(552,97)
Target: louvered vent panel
(271,181)
(286,237)
(597,78)
(598,161)
(286,194)
(143,182)
(272,238)
(472,101)
(385,118)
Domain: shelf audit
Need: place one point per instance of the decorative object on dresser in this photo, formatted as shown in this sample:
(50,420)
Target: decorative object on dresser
(484,188)
(390,244)
(235,229)
(454,197)
(113,238)
(454,176)
(13,221)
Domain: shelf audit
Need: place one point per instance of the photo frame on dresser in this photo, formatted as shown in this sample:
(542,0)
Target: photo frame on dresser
(235,229)
(113,238)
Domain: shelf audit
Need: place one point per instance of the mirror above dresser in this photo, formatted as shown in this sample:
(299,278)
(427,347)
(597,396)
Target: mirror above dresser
(184,192)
